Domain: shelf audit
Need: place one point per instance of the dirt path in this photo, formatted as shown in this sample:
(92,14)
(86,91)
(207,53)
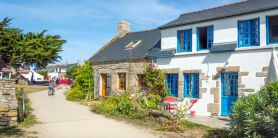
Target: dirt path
(63,119)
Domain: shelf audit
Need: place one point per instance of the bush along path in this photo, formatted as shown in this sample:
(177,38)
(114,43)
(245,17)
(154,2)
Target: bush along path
(61,118)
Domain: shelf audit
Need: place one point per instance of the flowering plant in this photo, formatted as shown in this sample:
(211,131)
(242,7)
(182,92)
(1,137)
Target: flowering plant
(155,79)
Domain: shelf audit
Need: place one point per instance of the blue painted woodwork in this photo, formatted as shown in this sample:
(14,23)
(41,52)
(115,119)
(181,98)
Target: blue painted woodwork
(209,38)
(249,33)
(172,84)
(191,85)
(229,91)
(184,39)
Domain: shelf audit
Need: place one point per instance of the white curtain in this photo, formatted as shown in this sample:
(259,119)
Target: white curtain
(272,74)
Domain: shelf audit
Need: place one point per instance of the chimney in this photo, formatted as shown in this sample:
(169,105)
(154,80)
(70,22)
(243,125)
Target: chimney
(123,28)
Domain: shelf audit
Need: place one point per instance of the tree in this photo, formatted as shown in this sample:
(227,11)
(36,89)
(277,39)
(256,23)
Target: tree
(83,83)
(43,73)
(71,72)
(18,49)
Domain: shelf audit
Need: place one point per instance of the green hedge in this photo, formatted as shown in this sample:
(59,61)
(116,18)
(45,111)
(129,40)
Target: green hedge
(256,115)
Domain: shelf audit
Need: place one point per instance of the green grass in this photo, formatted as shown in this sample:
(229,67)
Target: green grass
(31,88)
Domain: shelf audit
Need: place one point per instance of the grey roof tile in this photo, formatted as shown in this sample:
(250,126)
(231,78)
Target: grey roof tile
(234,9)
(117,50)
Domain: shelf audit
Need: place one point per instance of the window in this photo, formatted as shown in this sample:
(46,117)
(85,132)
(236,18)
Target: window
(122,81)
(133,44)
(172,84)
(6,75)
(205,37)
(272,29)
(142,80)
(248,33)
(184,41)
(229,82)
(191,85)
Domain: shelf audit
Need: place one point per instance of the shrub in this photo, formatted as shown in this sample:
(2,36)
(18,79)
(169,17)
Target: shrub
(150,101)
(156,81)
(256,115)
(116,105)
(75,94)
(83,82)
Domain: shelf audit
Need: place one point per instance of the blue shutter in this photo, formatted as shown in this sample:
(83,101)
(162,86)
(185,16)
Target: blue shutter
(172,84)
(267,30)
(195,85)
(189,41)
(198,39)
(178,45)
(243,33)
(209,37)
(255,32)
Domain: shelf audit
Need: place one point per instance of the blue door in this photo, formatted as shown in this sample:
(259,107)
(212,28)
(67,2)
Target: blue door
(229,93)
(172,84)
(191,85)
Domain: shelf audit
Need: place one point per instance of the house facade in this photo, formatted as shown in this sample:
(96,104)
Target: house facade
(221,53)
(56,71)
(120,64)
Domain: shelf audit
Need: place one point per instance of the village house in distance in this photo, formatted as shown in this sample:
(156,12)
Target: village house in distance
(119,65)
(212,56)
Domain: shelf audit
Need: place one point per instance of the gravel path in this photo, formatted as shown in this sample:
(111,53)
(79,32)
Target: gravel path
(63,119)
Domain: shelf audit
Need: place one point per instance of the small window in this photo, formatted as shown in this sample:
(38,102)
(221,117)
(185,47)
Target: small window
(133,44)
(191,85)
(205,37)
(172,84)
(248,33)
(184,41)
(122,81)
(272,28)
(142,80)
(6,75)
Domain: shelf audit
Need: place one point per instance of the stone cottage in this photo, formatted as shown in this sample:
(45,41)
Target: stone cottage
(119,65)
(222,53)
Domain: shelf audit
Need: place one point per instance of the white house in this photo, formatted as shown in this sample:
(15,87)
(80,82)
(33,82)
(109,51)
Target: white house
(219,54)
(55,71)
(28,75)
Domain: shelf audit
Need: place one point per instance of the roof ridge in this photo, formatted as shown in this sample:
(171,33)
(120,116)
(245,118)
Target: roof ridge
(149,30)
(235,3)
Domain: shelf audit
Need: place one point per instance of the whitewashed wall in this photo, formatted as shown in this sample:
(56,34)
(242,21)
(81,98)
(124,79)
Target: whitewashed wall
(251,59)
(225,30)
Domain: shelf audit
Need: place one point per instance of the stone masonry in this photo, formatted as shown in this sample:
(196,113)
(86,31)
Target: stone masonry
(131,69)
(8,103)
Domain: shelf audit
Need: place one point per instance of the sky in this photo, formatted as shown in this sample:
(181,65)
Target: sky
(88,24)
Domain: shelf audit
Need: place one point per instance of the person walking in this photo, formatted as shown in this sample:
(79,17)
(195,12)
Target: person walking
(51,88)
(57,82)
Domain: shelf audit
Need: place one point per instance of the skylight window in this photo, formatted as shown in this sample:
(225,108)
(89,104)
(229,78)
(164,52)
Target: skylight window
(133,44)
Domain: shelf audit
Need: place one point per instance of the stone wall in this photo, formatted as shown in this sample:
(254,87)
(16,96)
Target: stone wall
(131,69)
(8,103)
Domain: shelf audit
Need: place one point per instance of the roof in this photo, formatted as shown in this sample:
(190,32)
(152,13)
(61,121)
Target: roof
(224,47)
(51,68)
(156,52)
(118,50)
(239,8)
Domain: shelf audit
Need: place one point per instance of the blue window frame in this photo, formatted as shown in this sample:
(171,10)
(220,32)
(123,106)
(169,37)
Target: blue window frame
(249,33)
(204,38)
(184,41)
(272,29)
(229,93)
(191,85)
(172,84)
